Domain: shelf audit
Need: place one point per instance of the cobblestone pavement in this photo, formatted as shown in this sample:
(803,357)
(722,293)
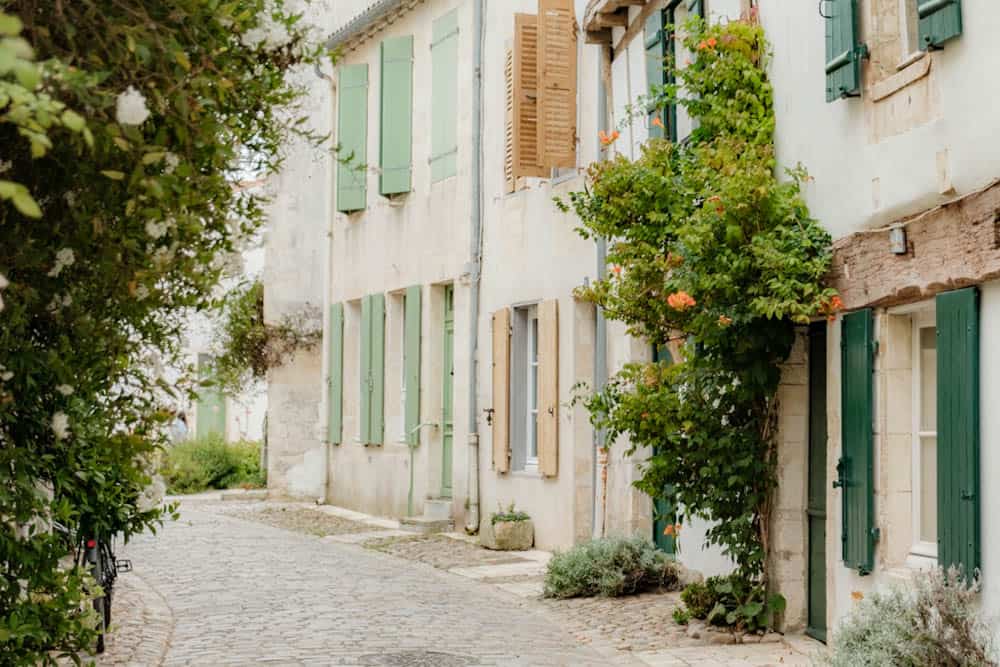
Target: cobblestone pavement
(245,593)
(442,552)
(141,624)
(292,516)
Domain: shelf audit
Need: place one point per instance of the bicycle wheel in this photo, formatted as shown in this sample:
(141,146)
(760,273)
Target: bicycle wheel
(103,609)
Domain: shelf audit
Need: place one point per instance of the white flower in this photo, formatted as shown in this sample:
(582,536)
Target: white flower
(725,420)
(715,404)
(64,258)
(64,389)
(131,108)
(170,162)
(163,256)
(6,375)
(141,292)
(736,382)
(70,198)
(268,32)
(60,425)
(156,229)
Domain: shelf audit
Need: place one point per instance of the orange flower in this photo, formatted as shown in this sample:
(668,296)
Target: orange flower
(617,270)
(672,529)
(857,596)
(836,303)
(712,42)
(725,321)
(657,122)
(615,135)
(702,45)
(681,301)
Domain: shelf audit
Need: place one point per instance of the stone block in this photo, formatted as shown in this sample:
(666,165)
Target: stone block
(507,535)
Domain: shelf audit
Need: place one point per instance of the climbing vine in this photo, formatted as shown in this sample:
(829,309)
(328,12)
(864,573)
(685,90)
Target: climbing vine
(715,257)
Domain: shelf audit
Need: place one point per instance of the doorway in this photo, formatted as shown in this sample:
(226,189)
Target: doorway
(816,506)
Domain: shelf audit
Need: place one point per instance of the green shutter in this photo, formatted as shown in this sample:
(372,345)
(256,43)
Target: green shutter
(352,136)
(396,138)
(654,39)
(412,408)
(940,20)
(696,8)
(843,49)
(377,369)
(336,380)
(444,97)
(958,429)
(365,402)
(855,470)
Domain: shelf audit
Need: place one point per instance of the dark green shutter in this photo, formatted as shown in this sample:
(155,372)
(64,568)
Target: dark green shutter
(412,371)
(855,470)
(444,97)
(696,8)
(843,49)
(365,402)
(396,138)
(335,397)
(939,21)
(352,136)
(958,429)
(656,75)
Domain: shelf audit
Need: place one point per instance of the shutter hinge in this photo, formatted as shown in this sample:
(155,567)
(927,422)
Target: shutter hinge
(876,534)
(875,347)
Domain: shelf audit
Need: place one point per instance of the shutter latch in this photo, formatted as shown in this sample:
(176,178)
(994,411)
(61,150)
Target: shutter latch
(968,495)
(876,534)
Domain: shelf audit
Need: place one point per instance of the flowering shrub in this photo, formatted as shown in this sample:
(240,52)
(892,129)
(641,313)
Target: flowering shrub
(609,567)
(124,125)
(721,258)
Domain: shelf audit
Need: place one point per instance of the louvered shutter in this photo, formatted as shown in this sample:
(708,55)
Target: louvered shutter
(412,371)
(444,97)
(525,88)
(655,41)
(958,429)
(377,366)
(501,390)
(557,51)
(548,388)
(396,138)
(855,470)
(335,395)
(365,391)
(843,50)
(352,136)
(508,131)
(939,21)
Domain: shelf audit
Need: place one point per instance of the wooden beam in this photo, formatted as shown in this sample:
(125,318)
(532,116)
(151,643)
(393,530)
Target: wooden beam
(602,36)
(616,20)
(635,28)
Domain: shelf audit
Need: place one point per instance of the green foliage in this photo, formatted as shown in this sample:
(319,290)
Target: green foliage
(509,514)
(699,599)
(124,125)
(249,346)
(933,622)
(681,616)
(609,567)
(711,253)
(211,463)
(732,601)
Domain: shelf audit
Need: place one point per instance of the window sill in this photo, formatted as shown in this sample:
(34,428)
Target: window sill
(526,474)
(920,560)
(911,73)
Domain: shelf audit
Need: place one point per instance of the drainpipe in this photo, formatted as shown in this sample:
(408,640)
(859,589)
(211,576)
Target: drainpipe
(475,261)
(600,454)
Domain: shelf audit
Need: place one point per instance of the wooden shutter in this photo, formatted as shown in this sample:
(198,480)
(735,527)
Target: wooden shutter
(335,396)
(855,470)
(365,373)
(396,138)
(411,410)
(548,388)
(525,96)
(958,429)
(501,390)
(444,97)
(557,41)
(843,51)
(508,137)
(352,137)
(655,42)
(939,21)
(377,366)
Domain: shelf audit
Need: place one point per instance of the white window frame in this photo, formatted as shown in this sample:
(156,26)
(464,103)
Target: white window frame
(909,42)
(922,554)
(523,380)
(531,392)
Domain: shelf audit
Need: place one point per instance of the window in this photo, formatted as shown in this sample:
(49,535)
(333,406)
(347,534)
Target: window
(924,435)
(909,33)
(524,388)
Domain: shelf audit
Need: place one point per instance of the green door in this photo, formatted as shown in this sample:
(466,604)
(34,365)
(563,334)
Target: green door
(211,409)
(816,507)
(664,511)
(448,383)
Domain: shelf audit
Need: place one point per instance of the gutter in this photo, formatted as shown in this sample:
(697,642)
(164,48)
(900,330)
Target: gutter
(475,265)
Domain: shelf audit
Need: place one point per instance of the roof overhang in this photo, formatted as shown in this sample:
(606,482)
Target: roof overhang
(377,17)
(603,15)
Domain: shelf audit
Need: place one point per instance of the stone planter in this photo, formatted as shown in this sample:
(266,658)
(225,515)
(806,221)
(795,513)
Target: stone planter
(507,535)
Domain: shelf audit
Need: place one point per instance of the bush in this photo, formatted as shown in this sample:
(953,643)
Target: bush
(732,601)
(699,599)
(609,567)
(211,463)
(932,622)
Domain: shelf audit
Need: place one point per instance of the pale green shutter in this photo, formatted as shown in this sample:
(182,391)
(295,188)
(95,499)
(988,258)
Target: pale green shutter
(352,136)
(412,371)
(365,396)
(377,369)
(336,365)
(654,40)
(855,470)
(940,20)
(444,97)
(843,50)
(958,429)
(396,138)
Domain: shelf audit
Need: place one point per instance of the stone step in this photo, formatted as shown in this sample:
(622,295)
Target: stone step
(437,508)
(420,524)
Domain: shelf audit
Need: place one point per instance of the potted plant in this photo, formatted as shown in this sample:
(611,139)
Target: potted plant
(507,530)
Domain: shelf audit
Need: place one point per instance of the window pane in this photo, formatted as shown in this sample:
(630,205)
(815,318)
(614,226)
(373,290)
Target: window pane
(928,489)
(928,379)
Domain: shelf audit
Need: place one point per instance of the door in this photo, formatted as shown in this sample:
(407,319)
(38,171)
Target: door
(816,508)
(210,412)
(664,513)
(448,384)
